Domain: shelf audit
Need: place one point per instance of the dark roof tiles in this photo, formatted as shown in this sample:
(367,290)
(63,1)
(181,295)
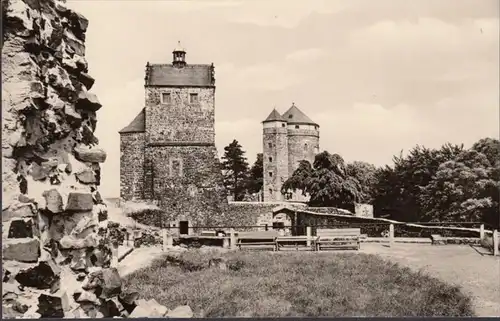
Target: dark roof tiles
(189,75)
(138,125)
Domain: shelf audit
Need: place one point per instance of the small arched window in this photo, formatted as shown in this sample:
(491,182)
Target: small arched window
(305,146)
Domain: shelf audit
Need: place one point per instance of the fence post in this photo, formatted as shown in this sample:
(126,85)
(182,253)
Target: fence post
(481,232)
(232,242)
(308,233)
(165,239)
(114,255)
(495,242)
(391,234)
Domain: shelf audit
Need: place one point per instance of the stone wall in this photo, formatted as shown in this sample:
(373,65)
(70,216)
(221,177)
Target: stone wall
(180,120)
(56,252)
(187,182)
(132,149)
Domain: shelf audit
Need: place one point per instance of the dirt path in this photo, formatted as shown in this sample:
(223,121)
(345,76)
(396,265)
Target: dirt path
(140,258)
(477,272)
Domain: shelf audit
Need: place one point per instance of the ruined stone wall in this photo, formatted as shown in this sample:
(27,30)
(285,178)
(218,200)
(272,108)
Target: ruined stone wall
(187,182)
(56,253)
(180,120)
(132,149)
(275,161)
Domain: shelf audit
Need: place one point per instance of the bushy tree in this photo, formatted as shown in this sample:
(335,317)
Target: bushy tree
(326,182)
(235,169)
(460,190)
(366,174)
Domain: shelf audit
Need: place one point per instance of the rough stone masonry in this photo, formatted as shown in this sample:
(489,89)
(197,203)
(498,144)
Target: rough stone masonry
(56,251)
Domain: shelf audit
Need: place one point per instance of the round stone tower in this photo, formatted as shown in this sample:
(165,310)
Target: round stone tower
(275,156)
(303,140)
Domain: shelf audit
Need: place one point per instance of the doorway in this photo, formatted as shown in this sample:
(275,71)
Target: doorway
(183,227)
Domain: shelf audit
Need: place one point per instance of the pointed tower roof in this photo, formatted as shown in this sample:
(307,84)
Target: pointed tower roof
(138,125)
(296,116)
(274,116)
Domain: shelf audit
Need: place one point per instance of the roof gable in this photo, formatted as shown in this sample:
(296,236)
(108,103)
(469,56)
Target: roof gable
(138,125)
(296,116)
(274,116)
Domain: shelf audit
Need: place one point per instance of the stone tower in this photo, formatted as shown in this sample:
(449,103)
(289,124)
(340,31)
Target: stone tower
(288,139)
(275,155)
(168,152)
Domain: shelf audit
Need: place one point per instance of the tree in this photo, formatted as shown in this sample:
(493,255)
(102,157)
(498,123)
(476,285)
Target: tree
(256,175)
(365,174)
(462,190)
(299,179)
(398,188)
(327,182)
(235,169)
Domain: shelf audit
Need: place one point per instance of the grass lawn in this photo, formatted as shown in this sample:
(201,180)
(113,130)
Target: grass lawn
(265,284)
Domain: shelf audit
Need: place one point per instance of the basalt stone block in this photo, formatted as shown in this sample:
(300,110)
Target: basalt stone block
(90,155)
(86,176)
(79,202)
(97,197)
(43,276)
(22,250)
(73,117)
(53,306)
(112,308)
(25,199)
(128,300)
(86,80)
(53,201)
(24,210)
(88,101)
(21,229)
(71,242)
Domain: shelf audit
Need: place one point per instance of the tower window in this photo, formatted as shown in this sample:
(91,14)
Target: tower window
(271,191)
(193,98)
(176,168)
(316,127)
(165,98)
(270,159)
(270,174)
(290,116)
(296,126)
(282,125)
(305,147)
(270,145)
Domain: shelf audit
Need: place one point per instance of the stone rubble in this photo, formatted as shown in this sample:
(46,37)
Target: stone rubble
(56,239)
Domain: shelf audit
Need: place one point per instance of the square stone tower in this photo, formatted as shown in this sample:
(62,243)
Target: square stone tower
(168,152)
(287,140)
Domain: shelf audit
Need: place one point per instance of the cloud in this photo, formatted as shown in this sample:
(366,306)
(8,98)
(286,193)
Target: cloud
(306,55)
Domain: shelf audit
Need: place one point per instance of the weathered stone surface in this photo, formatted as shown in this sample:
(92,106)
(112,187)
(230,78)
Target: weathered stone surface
(22,228)
(88,101)
(53,306)
(128,300)
(111,283)
(71,242)
(90,155)
(22,250)
(182,311)
(74,225)
(42,276)
(86,176)
(53,201)
(74,118)
(86,80)
(79,202)
(86,296)
(18,211)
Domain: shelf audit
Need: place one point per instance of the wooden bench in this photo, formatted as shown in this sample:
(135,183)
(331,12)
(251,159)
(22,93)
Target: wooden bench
(338,238)
(293,241)
(261,239)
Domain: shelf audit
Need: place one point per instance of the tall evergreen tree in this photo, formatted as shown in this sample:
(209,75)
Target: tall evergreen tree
(235,169)
(256,175)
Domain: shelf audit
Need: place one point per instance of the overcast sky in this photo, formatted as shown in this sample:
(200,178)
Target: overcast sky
(378,76)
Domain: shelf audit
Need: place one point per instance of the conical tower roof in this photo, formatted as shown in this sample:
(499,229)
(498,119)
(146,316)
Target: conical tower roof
(295,116)
(274,116)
